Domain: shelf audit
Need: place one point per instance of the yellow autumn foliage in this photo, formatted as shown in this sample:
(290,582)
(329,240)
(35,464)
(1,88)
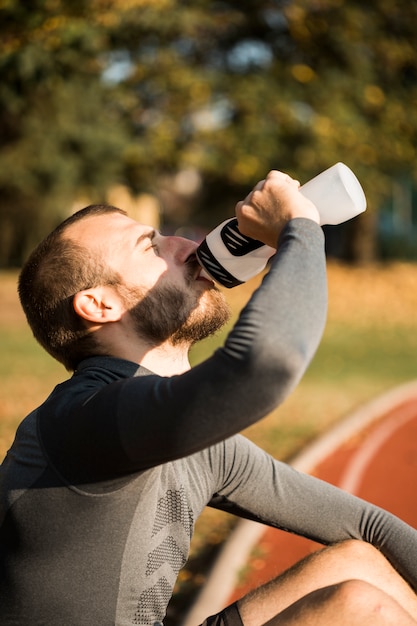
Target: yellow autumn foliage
(376,295)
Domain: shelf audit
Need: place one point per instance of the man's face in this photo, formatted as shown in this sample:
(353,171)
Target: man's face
(164,290)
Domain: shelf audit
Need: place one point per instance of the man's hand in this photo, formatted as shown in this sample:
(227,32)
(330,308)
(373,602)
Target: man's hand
(271,204)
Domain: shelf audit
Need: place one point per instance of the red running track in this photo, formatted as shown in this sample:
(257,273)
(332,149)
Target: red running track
(377,463)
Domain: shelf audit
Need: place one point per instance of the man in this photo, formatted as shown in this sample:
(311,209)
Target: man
(104,482)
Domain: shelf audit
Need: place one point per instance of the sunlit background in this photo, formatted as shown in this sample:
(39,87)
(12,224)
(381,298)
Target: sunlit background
(173,110)
(177,108)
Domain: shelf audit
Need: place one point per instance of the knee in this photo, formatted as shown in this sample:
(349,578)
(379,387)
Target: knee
(352,602)
(357,597)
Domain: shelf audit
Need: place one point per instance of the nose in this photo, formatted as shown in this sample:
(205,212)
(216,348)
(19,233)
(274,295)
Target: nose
(180,247)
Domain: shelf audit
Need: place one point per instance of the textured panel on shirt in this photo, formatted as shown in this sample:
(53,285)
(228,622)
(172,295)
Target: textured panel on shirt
(157,546)
(173,508)
(149,604)
(166,552)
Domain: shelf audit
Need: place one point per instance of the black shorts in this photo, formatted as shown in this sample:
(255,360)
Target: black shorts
(230,616)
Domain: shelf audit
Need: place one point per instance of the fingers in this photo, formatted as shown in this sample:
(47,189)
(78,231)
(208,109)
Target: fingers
(270,205)
(274,180)
(277,176)
(259,185)
(272,183)
(273,177)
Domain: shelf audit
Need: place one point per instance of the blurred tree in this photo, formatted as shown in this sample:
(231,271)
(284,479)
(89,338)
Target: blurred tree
(197,99)
(60,133)
(234,91)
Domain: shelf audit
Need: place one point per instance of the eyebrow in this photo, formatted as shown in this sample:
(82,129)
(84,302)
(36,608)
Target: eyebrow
(150,234)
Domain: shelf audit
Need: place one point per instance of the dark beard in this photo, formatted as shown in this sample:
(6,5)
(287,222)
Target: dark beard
(168,313)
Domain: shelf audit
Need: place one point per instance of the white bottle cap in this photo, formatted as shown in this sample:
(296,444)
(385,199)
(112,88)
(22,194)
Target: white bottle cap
(337,194)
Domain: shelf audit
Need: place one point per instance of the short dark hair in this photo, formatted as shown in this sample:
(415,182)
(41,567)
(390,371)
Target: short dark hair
(57,269)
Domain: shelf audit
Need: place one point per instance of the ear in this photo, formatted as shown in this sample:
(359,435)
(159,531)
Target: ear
(98,305)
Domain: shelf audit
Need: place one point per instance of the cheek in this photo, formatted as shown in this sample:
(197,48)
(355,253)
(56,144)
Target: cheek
(173,276)
(150,273)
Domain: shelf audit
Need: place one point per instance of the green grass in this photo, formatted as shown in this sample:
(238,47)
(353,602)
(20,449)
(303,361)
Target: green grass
(372,353)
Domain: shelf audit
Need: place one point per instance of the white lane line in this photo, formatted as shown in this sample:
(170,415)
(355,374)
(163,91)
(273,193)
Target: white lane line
(357,467)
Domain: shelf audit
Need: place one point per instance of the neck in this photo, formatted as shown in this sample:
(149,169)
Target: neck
(166,360)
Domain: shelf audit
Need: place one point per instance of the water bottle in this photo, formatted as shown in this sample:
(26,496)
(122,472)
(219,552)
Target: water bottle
(230,258)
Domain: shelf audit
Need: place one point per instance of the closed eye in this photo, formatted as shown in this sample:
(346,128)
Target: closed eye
(153,245)
(145,237)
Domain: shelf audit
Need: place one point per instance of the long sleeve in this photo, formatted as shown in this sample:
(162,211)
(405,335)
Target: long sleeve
(258,487)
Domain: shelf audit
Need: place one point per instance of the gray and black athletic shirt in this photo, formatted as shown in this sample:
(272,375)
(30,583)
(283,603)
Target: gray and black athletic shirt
(103,484)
